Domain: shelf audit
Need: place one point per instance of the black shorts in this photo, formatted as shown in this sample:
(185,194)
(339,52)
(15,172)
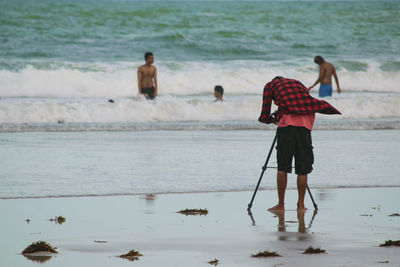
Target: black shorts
(295,141)
(149,92)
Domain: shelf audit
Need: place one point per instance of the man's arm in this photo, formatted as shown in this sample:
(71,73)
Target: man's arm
(318,80)
(139,76)
(265,116)
(155,82)
(336,80)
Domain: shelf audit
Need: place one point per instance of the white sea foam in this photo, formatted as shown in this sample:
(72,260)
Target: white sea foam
(119,80)
(178,109)
(79,93)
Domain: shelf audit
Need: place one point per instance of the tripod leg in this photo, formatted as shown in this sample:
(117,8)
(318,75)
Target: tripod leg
(312,199)
(263,170)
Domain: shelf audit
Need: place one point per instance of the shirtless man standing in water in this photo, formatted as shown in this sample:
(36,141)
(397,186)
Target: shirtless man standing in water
(326,71)
(147,77)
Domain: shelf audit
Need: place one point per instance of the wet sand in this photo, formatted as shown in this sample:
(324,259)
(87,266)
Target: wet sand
(350,225)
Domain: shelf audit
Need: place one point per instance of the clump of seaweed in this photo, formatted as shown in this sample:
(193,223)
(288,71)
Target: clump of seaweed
(214,262)
(394,215)
(390,243)
(266,253)
(39,246)
(194,212)
(311,250)
(58,219)
(132,255)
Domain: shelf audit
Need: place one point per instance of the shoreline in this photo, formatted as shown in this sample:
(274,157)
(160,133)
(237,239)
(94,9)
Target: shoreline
(98,229)
(192,192)
(390,123)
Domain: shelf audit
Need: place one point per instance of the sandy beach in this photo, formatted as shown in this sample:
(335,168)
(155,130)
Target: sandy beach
(350,225)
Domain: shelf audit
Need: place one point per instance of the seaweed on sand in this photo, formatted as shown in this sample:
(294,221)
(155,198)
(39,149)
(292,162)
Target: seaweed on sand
(266,253)
(132,255)
(194,212)
(39,246)
(390,243)
(38,251)
(214,262)
(311,250)
(58,219)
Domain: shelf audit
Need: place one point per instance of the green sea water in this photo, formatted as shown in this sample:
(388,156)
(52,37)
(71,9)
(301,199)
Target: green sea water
(350,32)
(61,60)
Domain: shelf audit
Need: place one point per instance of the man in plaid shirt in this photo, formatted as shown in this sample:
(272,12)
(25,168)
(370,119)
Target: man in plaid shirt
(295,119)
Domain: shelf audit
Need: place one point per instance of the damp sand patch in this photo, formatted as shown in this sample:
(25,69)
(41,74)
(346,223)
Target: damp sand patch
(390,243)
(193,212)
(311,250)
(265,254)
(39,251)
(132,255)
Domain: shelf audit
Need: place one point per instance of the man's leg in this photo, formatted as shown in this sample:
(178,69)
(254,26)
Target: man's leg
(301,188)
(281,183)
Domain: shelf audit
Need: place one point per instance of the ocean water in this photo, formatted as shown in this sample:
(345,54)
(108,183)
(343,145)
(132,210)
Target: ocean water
(61,61)
(102,163)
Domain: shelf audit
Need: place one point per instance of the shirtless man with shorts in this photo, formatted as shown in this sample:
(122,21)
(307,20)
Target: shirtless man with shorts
(147,77)
(326,71)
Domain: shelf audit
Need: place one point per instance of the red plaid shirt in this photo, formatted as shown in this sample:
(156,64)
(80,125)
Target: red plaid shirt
(291,97)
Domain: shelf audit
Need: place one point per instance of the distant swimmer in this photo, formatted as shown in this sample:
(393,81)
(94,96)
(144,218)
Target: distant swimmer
(218,93)
(326,71)
(147,77)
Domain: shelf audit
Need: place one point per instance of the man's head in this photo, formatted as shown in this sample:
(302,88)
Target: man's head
(148,57)
(319,60)
(277,78)
(218,92)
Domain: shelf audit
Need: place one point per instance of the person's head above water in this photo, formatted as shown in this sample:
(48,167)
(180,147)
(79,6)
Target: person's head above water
(218,92)
(319,60)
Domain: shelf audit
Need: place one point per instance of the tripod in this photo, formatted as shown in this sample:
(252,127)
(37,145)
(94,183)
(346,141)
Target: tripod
(262,174)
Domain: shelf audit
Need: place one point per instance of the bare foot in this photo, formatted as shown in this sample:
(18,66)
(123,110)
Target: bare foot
(277,208)
(301,208)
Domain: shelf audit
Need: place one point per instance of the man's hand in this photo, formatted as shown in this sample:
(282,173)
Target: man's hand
(274,117)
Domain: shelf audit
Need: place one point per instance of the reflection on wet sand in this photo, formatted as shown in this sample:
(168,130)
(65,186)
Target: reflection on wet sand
(302,231)
(150,198)
(38,258)
(150,201)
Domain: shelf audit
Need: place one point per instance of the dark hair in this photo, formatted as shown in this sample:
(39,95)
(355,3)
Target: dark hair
(277,78)
(319,60)
(147,55)
(219,89)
